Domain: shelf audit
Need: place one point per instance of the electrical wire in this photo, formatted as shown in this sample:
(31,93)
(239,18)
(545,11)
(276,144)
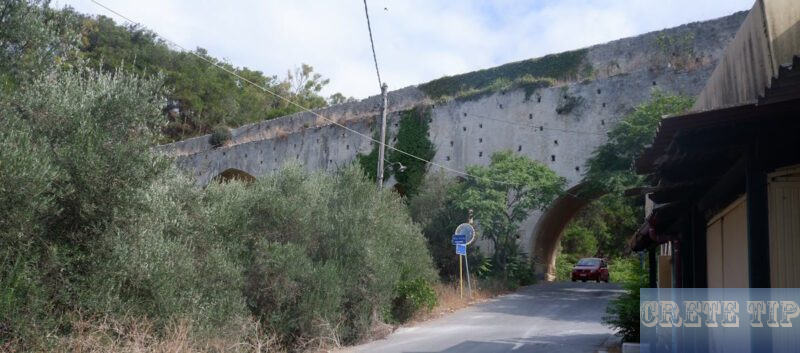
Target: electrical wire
(372,43)
(333,122)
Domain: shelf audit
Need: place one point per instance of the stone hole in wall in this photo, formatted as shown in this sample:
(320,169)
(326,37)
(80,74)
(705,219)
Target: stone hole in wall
(317,140)
(396,125)
(298,157)
(261,162)
(273,148)
(394,139)
(538,99)
(604,105)
(602,122)
(654,83)
(430,120)
(330,161)
(245,155)
(552,158)
(480,140)
(480,154)
(451,143)
(276,160)
(519,148)
(447,158)
(206,155)
(480,126)
(541,128)
(295,145)
(347,147)
(530,116)
(465,128)
(577,169)
(501,106)
(465,114)
(598,91)
(555,142)
(223,153)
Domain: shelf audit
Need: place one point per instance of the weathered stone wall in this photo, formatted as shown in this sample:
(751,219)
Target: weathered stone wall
(467,132)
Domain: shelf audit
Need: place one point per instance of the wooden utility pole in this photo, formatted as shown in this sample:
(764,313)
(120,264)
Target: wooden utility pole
(381,147)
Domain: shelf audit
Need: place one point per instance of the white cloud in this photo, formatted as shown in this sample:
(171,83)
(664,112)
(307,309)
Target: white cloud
(416,41)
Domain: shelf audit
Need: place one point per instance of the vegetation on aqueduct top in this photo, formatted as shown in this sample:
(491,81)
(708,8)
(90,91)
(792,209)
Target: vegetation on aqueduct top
(530,74)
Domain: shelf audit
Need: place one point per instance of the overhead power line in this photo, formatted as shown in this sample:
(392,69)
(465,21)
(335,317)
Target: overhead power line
(372,43)
(333,122)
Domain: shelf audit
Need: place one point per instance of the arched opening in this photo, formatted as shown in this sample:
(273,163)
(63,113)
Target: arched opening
(234,174)
(547,233)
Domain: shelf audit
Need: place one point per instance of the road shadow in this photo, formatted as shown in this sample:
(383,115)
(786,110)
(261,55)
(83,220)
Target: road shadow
(573,343)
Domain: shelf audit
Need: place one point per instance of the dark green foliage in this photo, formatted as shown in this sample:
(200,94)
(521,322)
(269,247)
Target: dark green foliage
(612,218)
(562,66)
(433,210)
(369,162)
(219,136)
(410,297)
(412,138)
(33,38)
(579,240)
(610,168)
(93,223)
(623,312)
(350,244)
(502,195)
(564,264)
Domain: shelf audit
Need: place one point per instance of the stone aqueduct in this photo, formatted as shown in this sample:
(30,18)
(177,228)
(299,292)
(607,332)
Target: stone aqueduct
(467,132)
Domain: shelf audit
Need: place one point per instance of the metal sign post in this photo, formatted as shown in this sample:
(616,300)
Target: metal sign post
(464,235)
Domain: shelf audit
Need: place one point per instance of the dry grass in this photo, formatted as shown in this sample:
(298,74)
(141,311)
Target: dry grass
(136,335)
(449,299)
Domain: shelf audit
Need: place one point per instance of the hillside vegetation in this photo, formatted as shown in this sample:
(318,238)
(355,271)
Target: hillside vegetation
(105,242)
(206,96)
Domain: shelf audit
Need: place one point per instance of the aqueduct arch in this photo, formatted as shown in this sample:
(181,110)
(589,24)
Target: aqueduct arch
(234,174)
(547,232)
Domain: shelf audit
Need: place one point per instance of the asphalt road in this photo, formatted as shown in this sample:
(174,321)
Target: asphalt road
(549,317)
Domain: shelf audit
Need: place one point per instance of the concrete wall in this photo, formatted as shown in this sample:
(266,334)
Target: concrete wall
(467,132)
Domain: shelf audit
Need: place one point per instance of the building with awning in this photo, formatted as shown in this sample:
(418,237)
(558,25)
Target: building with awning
(725,178)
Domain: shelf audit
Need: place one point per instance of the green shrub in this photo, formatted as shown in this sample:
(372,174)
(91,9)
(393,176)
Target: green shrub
(219,136)
(562,66)
(410,297)
(348,246)
(564,264)
(623,312)
(622,269)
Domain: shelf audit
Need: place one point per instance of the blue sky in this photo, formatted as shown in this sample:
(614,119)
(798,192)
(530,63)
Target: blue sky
(416,40)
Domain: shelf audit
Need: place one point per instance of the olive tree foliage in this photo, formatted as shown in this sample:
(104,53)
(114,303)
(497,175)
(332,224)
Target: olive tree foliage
(502,195)
(324,251)
(33,38)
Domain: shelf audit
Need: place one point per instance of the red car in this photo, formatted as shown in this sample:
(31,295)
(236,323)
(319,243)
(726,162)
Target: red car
(590,269)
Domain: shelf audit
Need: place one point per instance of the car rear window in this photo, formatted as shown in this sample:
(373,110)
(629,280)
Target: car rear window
(588,262)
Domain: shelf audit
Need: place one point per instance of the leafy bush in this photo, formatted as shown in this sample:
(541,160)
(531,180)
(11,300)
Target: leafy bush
(562,66)
(220,136)
(412,137)
(412,296)
(348,246)
(564,264)
(623,312)
(623,268)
